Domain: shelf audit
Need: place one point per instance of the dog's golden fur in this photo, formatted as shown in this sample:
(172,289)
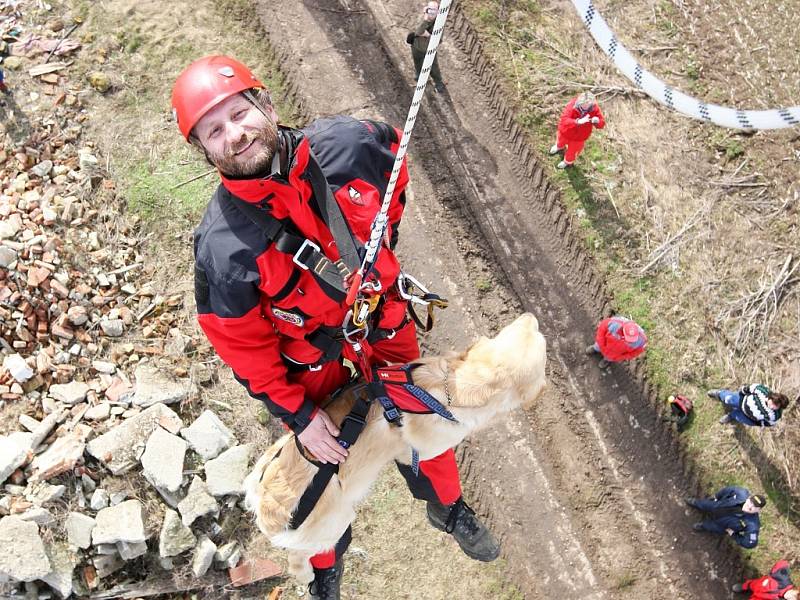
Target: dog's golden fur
(492,377)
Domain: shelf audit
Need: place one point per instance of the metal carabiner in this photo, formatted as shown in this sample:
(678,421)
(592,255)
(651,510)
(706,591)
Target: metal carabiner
(407,291)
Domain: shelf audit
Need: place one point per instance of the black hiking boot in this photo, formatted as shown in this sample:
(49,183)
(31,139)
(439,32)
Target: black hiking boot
(460,521)
(326,582)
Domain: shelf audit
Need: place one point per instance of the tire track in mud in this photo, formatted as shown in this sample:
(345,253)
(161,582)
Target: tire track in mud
(608,458)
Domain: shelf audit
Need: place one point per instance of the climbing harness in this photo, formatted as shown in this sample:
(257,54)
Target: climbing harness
(675,99)
(394,389)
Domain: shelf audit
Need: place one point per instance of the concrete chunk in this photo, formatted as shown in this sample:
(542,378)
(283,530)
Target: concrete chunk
(226,473)
(120,448)
(162,460)
(198,503)
(69,393)
(175,537)
(203,556)
(79,529)
(40,516)
(154,385)
(121,523)
(60,457)
(12,456)
(63,564)
(129,551)
(208,436)
(23,556)
(99,499)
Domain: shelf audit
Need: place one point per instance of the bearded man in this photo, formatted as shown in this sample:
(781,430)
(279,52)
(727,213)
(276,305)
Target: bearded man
(271,258)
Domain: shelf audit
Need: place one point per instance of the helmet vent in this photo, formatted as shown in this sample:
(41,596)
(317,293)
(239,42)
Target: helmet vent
(226,71)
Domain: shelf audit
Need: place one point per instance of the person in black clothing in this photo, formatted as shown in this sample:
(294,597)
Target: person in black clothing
(732,511)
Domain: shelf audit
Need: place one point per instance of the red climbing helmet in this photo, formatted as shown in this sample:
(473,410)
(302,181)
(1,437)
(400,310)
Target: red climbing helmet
(204,84)
(630,331)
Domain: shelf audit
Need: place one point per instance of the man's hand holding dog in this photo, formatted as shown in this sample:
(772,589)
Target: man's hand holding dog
(319,439)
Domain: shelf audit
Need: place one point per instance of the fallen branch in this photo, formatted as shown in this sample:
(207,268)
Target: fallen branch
(669,244)
(195,178)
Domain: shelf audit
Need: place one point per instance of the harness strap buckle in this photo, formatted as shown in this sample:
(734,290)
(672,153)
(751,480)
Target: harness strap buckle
(297,257)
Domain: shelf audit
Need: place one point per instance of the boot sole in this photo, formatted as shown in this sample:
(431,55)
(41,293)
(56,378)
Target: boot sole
(472,555)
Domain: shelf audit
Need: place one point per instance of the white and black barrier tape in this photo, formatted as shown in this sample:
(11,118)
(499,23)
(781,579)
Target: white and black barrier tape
(674,99)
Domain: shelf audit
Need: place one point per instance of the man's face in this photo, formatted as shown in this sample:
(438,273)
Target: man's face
(431,11)
(749,507)
(238,139)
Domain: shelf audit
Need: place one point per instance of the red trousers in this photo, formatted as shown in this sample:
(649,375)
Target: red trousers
(574,147)
(437,479)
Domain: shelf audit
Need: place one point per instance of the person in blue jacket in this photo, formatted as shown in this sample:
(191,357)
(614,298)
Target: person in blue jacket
(732,511)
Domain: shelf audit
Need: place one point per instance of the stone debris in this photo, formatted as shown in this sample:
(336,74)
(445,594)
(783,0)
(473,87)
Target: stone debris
(40,516)
(69,393)
(60,457)
(42,493)
(100,499)
(12,456)
(198,503)
(23,557)
(119,448)
(175,537)
(226,473)
(129,551)
(228,555)
(79,529)
(121,523)
(162,461)
(208,436)
(203,556)
(80,320)
(63,563)
(154,385)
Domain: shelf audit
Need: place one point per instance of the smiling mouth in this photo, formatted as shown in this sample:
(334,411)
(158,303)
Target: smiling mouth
(245,149)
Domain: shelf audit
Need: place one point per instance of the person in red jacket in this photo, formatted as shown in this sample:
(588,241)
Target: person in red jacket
(580,116)
(774,586)
(617,339)
(272,254)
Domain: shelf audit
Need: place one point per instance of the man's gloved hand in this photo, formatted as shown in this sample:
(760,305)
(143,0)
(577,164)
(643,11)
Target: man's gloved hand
(595,120)
(729,531)
(582,120)
(319,438)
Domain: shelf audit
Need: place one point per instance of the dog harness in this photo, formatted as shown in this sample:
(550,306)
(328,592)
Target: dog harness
(394,388)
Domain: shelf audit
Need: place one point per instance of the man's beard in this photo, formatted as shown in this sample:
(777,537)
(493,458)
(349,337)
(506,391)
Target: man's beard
(235,167)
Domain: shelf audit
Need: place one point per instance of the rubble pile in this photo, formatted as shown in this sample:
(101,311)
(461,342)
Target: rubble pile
(101,480)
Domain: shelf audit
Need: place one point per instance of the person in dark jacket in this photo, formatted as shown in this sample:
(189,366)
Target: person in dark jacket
(270,272)
(732,511)
(774,586)
(419,45)
(754,405)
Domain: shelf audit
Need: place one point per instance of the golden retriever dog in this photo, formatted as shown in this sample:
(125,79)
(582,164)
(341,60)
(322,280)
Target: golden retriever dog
(494,376)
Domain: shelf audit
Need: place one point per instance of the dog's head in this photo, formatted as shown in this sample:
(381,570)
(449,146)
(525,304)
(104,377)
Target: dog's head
(512,361)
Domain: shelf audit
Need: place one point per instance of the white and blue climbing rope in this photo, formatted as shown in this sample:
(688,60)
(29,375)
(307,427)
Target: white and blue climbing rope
(675,99)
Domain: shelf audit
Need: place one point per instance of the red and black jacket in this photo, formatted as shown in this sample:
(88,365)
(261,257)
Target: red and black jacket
(255,305)
(772,586)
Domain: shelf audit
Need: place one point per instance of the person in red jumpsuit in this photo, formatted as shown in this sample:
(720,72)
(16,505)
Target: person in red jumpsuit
(580,117)
(271,254)
(774,586)
(617,339)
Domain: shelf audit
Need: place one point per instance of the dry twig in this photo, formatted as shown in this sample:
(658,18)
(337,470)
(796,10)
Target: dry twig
(758,308)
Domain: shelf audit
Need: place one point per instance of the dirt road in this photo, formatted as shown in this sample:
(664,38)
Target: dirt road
(585,491)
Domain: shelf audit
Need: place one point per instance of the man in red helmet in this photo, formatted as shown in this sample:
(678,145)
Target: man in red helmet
(778,584)
(617,339)
(271,255)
